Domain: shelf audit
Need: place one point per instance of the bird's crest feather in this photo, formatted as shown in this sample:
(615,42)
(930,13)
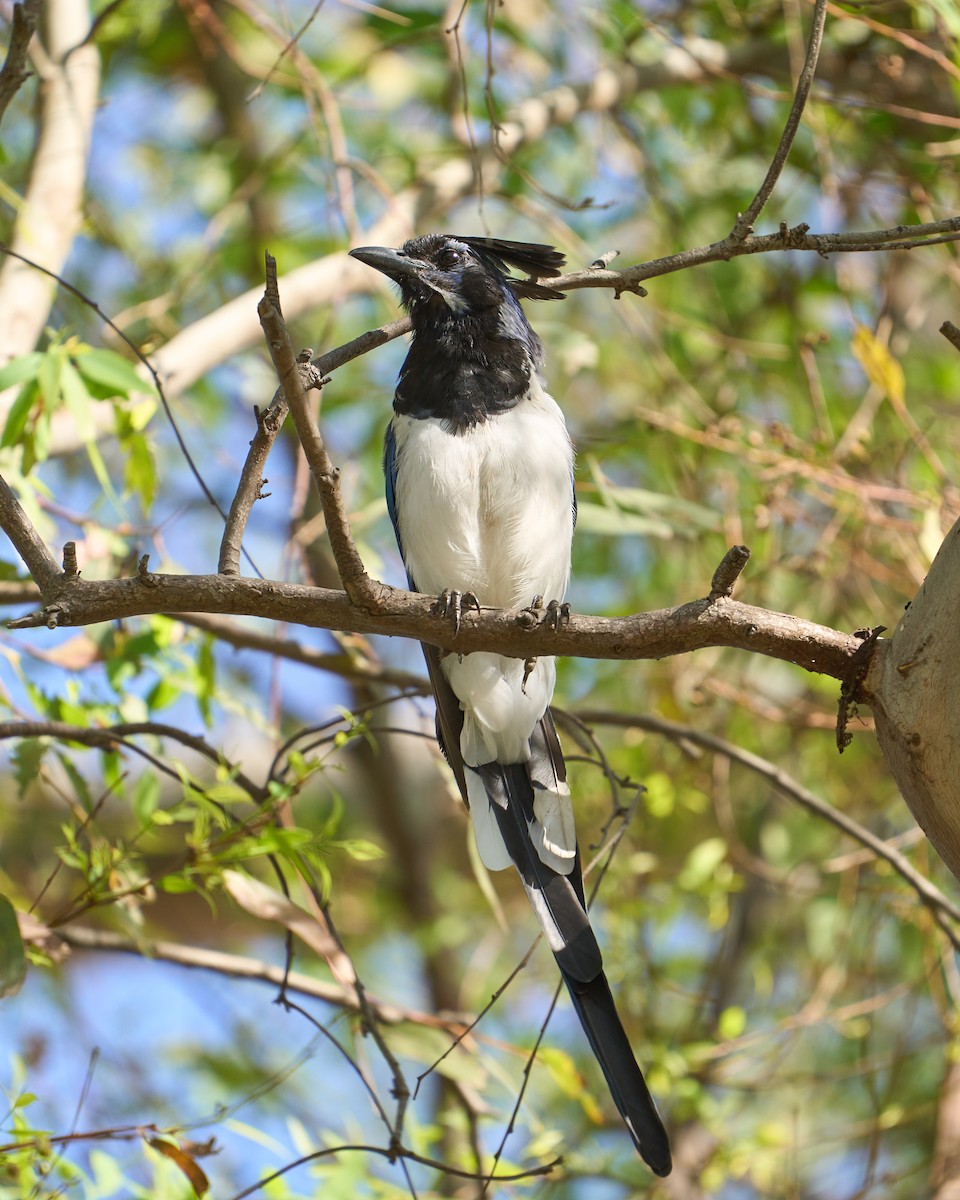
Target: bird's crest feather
(539,260)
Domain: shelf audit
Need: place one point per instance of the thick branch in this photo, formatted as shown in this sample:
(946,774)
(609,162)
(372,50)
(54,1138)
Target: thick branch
(718,622)
(357,583)
(29,545)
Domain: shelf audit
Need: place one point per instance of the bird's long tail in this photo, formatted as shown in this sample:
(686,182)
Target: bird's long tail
(598,1015)
(558,901)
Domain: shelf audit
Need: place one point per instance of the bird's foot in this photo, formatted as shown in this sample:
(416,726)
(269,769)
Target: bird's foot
(555,613)
(451,605)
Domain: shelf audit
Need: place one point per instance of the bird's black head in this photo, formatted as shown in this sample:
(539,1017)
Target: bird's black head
(463,276)
(473,354)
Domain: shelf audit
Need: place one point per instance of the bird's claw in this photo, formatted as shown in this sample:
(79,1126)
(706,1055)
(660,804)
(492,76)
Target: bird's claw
(555,614)
(451,605)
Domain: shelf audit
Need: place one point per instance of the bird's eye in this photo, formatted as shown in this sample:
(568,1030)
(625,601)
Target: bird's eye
(449,258)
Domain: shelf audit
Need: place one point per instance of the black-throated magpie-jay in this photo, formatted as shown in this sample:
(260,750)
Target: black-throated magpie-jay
(479,477)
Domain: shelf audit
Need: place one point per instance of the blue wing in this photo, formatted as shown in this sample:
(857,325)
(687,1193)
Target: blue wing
(390,479)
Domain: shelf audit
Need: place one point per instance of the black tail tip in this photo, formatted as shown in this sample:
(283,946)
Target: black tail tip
(658,1164)
(654,1150)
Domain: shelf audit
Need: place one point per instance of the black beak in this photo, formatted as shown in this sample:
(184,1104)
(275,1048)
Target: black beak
(390,262)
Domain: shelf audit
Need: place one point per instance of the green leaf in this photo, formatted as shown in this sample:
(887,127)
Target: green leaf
(79,783)
(111,370)
(145,796)
(227,793)
(48,376)
(102,474)
(206,678)
(732,1022)
(139,470)
(26,756)
(702,861)
(608,521)
(13,960)
(77,400)
(361,850)
(19,370)
(19,414)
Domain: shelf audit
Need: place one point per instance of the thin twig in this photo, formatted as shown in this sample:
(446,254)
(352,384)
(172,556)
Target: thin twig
(15,72)
(745,220)
(109,737)
(145,362)
(396,1150)
(353,666)
(268,427)
(249,489)
(928,893)
(401,1152)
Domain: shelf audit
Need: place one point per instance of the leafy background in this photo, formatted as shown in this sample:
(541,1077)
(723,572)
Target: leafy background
(792,999)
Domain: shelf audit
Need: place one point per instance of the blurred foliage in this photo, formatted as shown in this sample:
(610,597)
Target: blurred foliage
(792,999)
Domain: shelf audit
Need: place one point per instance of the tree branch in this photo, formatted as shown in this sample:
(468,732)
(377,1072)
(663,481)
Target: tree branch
(358,585)
(15,72)
(212,339)
(28,543)
(269,424)
(108,737)
(745,221)
(356,667)
(237,966)
(928,893)
(699,623)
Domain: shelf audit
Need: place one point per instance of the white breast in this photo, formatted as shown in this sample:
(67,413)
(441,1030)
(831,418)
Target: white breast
(488,510)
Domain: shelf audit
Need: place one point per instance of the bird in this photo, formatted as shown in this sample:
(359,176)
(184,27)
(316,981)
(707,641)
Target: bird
(480,490)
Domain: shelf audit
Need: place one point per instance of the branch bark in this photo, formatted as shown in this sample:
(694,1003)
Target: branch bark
(357,583)
(238,966)
(720,621)
(746,219)
(15,72)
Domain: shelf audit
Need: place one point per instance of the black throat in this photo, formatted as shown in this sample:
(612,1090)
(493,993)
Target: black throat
(464,368)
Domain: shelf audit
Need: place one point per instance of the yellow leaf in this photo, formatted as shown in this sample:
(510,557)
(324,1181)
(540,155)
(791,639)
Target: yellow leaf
(188,1165)
(879,365)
